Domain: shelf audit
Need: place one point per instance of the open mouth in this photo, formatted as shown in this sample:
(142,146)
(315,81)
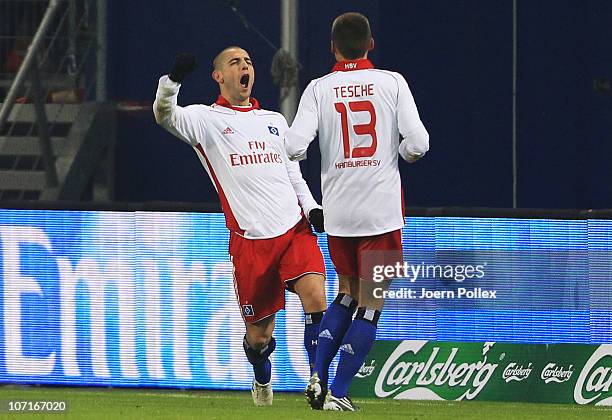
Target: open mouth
(244,81)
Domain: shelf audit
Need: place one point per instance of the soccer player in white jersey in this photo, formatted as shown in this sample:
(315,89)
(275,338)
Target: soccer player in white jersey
(365,118)
(264,199)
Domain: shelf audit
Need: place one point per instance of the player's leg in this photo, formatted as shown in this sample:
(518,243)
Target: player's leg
(349,285)
(311,290)
(258,344)
(358,339)
(337,318)
(260,295)
(333,325)
(303,270)
(361,334)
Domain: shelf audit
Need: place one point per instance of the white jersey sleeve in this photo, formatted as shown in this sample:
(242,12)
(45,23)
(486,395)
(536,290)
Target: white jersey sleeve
(305,126)
(186,123)
(305,198)
(415,139)
(304,195)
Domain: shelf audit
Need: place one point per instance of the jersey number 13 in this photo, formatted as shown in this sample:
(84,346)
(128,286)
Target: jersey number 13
(359,129)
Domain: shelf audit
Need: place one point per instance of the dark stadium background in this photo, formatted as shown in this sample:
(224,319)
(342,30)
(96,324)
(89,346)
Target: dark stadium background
(457,58)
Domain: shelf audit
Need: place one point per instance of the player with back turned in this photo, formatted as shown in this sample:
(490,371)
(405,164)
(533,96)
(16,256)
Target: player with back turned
(264,198)
(365,118)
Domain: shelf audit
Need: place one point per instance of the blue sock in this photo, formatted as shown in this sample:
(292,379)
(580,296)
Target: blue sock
(311,332)
(263,372)
(355,347)
(336,321)
(260,360)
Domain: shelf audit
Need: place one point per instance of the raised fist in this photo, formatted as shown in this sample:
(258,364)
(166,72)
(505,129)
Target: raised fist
(184,63)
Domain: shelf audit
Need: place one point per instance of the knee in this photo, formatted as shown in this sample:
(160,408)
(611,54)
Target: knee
(258,340)
(317,293)
(312,294)
(311,287)
(257,355)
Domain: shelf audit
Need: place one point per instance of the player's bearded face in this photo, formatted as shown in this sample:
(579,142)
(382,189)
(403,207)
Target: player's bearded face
(237,75)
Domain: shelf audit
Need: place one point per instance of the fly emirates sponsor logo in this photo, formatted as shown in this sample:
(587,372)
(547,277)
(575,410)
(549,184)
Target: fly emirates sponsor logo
(258,155)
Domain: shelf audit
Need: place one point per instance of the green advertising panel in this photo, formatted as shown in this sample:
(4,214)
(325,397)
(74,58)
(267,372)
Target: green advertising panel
(432,370)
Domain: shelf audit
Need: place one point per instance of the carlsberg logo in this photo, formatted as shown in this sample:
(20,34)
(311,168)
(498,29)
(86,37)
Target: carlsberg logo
(554,373)
(516,373)
(595,379)
(421,379)
(365,371)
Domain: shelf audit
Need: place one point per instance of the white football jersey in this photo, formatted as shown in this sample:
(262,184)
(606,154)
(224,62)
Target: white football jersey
(365,118)
(242,150)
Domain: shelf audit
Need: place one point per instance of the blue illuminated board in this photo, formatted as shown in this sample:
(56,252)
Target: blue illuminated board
(147,299)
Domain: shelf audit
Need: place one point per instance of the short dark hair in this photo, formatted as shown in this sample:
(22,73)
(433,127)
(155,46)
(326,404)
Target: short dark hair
(351,35)
(216,63)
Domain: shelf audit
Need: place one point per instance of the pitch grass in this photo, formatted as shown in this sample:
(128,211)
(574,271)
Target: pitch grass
(110,404)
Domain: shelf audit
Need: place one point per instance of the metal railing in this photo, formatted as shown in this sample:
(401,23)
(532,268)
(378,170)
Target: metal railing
(59,66)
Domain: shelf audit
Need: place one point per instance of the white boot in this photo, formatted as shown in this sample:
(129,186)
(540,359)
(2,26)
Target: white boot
(262,394)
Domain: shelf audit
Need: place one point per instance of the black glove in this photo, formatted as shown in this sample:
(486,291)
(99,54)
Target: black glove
(315,216)
(184,64)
